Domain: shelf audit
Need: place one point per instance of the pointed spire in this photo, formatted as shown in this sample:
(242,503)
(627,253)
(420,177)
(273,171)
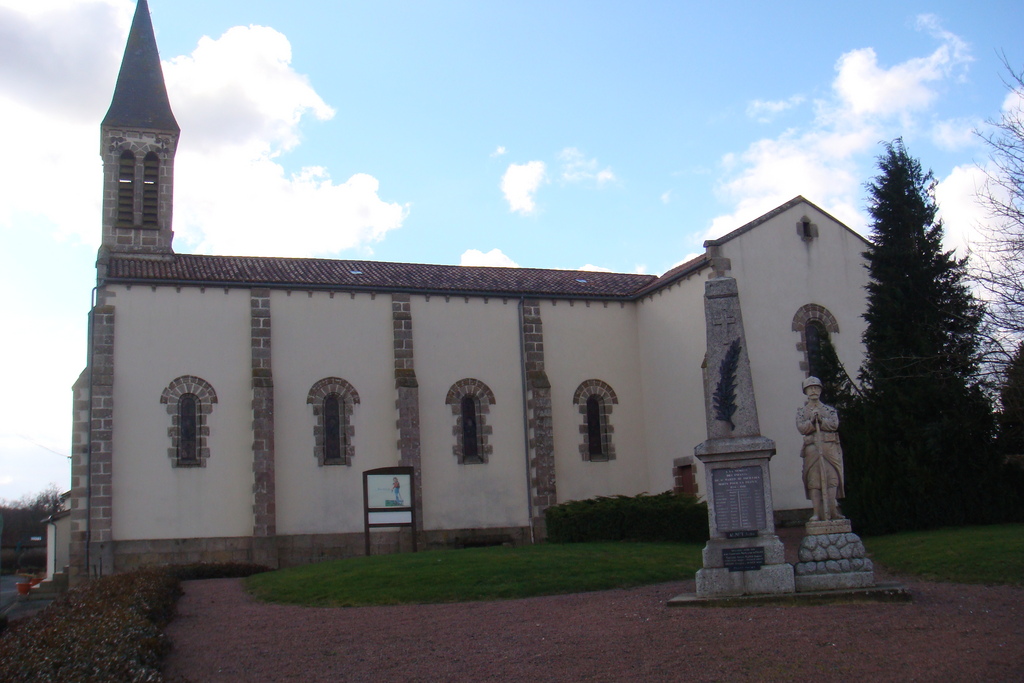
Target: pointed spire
(140,96)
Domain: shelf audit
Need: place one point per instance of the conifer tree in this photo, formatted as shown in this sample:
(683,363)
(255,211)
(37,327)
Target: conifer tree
(919,439)
(1011,398)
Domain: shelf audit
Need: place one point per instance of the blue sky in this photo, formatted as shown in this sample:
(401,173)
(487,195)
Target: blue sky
(543,134)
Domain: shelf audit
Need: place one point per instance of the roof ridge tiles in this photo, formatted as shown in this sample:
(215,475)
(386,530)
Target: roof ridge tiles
(377,275)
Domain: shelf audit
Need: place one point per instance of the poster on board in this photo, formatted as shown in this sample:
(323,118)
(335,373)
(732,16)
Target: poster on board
(389,500)
(388,491)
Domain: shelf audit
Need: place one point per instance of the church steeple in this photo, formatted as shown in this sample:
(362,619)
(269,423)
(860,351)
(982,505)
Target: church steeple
(138,139)
(140,97)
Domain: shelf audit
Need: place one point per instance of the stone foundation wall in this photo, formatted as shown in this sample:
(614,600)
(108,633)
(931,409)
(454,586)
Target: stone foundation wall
(302,549)
(130,555)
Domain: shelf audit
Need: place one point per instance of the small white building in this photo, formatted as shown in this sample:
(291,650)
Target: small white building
(232,403)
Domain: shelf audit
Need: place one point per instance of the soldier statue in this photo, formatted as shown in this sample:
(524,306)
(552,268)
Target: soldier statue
(821,452)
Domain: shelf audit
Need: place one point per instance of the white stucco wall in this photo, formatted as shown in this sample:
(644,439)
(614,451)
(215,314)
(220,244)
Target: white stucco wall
(322,336)
(777,273)
(458,339)
(672,345)
(595,341)
(161,335)
(650,352)
(58,550)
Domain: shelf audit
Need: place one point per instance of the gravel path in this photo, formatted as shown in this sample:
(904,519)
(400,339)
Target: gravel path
(950,632)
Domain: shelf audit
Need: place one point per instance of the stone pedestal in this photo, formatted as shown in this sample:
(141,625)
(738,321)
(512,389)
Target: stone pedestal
(832,557)
(743,555)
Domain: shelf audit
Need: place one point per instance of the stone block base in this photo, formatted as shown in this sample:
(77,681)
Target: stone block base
(807,583)
(833,561)
(769,579)
(829,526)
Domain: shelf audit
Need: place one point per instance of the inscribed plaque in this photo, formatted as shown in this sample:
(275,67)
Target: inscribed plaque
(739,498)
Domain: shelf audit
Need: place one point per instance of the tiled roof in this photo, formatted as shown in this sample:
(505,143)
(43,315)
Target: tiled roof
(372,275)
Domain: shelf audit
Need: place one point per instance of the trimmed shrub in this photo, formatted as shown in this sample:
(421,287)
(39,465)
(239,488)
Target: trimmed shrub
(107,630)
(663,517)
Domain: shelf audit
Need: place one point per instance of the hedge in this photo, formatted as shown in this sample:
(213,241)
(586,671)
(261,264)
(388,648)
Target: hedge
(663,517)
(109,629)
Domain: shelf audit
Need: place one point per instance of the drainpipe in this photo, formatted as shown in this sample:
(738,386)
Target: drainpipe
(526,421)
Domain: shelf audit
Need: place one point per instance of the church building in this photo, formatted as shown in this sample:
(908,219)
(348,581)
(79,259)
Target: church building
(231,404)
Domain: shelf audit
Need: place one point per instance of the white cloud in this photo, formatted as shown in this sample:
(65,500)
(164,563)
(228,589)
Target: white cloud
(520,183)
(494,258)
(499,151)
(273,214)
(867,88)
(577,168)
(816,164)
(963,216)
(595,269)
(240,91)
(823,161)
(764,111)
(58,63)
(240,104)
(61,55)
(955,134)
(666,196)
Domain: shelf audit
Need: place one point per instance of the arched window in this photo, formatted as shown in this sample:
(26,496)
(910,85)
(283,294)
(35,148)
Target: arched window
(816,325)
(189,402)
(188,422)
(470,432)
(150,189)
(334,435)
(333,400)
(595,399)
(595,432)
(126,189)
(471,402)
(814,336)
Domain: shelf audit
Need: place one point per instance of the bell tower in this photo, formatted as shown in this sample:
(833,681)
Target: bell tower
(138,139)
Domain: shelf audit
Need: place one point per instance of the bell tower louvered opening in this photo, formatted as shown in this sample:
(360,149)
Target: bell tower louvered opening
(150,190)
(126,189)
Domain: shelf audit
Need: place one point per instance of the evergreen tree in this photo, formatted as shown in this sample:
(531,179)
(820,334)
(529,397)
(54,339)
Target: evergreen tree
(919,439)
(838,389)
(1011,418)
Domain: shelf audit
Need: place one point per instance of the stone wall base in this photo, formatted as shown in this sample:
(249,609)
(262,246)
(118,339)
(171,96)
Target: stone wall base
(299,549)
(130,555)
(769,579)
(830,582)
(775,576)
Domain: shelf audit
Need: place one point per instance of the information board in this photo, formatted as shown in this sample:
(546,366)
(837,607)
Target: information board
(388,500)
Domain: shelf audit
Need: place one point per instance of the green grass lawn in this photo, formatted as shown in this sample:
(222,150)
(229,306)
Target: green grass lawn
(976,554)
(989,554)
(478,574)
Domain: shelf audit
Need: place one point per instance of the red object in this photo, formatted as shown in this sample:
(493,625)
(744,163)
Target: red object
(23,588)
